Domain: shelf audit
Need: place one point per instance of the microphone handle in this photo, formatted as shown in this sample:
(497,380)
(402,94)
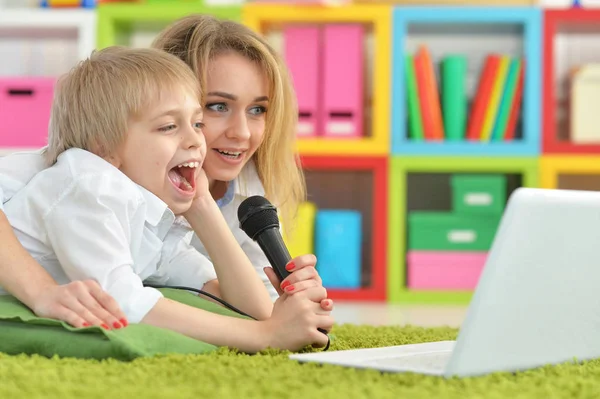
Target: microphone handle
(271,243)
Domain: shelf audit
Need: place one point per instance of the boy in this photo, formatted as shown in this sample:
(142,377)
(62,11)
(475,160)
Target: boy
(124,194)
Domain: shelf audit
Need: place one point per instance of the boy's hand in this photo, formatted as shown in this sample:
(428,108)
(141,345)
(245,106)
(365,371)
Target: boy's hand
(295,321)
(81,304)
(303,276)
(202,189)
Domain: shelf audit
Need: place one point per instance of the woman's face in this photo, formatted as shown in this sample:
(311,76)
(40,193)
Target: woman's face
(234,114)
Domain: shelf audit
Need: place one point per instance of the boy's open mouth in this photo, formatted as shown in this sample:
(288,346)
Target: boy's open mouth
(183,176)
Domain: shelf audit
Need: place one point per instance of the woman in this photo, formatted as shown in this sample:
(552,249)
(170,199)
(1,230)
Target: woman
(250,116)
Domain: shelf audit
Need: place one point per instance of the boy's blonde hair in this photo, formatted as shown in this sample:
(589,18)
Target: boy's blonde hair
(95,101)
(197,39)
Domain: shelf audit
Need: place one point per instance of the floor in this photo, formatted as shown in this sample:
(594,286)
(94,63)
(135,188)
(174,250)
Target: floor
(386,314)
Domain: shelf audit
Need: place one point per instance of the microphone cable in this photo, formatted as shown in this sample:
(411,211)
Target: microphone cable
(222,302)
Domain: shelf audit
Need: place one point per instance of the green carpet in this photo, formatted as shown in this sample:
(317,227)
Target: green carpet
(227,374)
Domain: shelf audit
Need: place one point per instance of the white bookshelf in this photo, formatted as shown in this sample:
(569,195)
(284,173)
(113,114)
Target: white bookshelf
(42,41)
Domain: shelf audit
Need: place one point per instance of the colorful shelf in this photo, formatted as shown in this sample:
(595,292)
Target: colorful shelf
(378,167)
(261,17)
(556,21)
(552,166)
(400,167)
(387,153)
(115,18)
(527,17)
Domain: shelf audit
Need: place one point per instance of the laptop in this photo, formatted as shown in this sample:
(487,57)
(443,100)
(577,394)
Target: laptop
(537,301)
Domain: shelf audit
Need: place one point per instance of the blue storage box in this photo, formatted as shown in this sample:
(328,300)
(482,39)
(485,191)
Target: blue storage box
(338,247)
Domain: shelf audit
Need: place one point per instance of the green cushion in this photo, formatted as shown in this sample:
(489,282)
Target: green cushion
(21,331)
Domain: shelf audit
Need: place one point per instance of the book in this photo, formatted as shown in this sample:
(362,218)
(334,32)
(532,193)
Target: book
(412,99)
(482,97)
(491,111)
(454,97)
(515,111)
(508,98)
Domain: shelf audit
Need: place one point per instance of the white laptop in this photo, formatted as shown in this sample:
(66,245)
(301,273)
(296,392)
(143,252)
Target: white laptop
(537,301)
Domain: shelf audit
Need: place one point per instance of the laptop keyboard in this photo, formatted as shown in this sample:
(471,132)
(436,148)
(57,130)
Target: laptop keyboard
(432,362)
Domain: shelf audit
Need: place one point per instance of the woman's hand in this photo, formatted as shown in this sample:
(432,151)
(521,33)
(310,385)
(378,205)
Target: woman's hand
(303,276)
(81,304)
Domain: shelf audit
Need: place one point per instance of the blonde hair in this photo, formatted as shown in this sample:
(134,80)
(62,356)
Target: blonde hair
(94,101)
(197,39)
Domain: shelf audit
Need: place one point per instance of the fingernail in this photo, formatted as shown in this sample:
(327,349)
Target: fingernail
(285,284)
(105,327)
(289,288)
(290,266)
(86,324)
(117,325)
(124,322)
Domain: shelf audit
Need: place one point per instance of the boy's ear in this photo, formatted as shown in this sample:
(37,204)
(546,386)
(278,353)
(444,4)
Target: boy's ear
(114,160)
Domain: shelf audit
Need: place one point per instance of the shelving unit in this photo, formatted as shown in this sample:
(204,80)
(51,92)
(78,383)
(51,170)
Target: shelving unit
(117,21)
(400,168)
(451,30)
(267,17)
(553,167)
(39,45)
(332,177)
(79,24)
(559,27)
(394,172)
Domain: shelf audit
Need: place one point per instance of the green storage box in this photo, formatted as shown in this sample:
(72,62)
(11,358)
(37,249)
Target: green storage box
(443,231)
(478,193)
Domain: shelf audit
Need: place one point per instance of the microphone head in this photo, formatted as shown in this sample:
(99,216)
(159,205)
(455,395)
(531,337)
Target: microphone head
(256,214)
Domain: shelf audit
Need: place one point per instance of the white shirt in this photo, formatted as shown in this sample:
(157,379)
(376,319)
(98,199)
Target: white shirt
(18,168)
(82,218)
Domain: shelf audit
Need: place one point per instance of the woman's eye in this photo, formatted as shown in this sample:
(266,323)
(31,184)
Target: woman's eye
(218,107)
(199,125)
(258,110)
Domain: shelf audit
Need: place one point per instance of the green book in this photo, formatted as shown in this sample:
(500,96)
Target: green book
(454,97)
(507,100)
(414,109)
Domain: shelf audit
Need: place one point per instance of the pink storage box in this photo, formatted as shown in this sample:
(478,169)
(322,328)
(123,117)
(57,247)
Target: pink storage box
(429,270)
(25,111)
(303,57)
(343,80)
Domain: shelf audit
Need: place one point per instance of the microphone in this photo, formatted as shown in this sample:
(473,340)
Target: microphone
(258,219)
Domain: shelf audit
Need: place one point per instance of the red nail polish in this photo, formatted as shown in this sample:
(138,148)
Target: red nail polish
(285,284)
(86,324)
(117,325)
(289,288)
(104,326)
(290,266)
(124,322)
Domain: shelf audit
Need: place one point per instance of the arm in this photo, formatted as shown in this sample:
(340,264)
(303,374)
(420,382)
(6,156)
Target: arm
(20,274)
(259,261)
(247,335)
(91,228)
(80,303)
(239,283)
(292,325)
